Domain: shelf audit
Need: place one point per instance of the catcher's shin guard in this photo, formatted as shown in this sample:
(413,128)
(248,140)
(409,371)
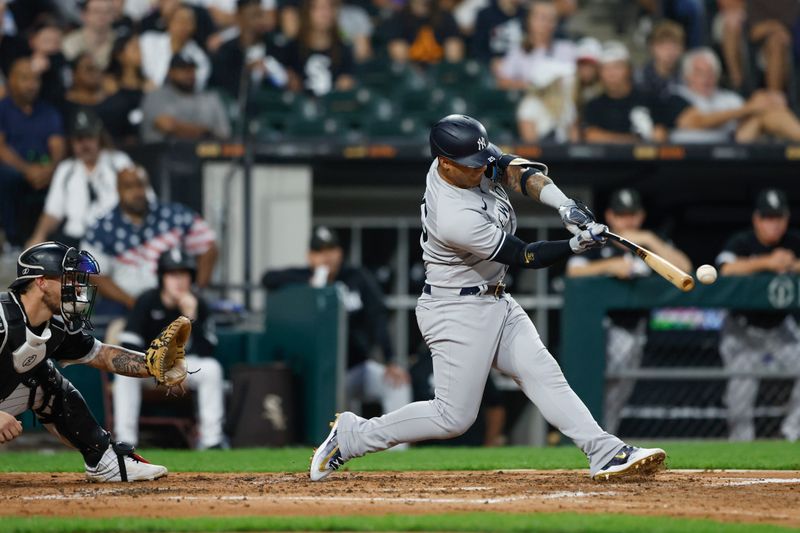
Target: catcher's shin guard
(64,410)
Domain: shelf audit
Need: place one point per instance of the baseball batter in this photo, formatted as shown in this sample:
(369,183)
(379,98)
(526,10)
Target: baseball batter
(468,320)
(42,318)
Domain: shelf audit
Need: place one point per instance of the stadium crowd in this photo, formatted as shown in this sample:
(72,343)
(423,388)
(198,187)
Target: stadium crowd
(160,70)
(84,81)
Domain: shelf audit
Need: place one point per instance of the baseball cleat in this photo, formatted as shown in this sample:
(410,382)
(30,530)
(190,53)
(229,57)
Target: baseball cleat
(631,461)
(327,457)
(120,463)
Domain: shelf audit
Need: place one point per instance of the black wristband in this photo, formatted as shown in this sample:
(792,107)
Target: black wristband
(523,180)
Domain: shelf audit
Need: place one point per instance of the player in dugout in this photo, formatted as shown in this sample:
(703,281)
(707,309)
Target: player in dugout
(761,340)
(626,330)
(153,311)
(367,380)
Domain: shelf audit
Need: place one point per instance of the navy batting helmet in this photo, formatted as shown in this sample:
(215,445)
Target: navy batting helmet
(464,140)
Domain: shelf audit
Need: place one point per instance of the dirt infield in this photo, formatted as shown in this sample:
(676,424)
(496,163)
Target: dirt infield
(733,496)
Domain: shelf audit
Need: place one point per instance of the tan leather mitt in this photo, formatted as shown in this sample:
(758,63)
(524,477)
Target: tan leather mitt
(166,358)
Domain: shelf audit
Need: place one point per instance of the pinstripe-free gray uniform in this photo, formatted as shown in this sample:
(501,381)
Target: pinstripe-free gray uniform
(469,334)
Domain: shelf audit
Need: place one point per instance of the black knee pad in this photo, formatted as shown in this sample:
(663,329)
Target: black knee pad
(63,406)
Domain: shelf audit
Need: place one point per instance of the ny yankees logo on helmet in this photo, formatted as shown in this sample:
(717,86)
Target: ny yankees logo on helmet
(481,143)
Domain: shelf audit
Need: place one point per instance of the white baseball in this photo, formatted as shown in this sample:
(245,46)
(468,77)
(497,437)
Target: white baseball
(706,274)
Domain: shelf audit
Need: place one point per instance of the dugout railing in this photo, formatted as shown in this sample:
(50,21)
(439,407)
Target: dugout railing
(680,383)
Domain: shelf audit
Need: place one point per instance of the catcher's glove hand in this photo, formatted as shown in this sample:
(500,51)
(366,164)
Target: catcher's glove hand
(165,358)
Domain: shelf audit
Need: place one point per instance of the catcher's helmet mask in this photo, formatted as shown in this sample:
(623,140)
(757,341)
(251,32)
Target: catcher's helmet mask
(73,266)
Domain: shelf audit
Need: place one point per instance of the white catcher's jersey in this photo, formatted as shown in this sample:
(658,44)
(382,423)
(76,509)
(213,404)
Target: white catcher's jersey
(462,231)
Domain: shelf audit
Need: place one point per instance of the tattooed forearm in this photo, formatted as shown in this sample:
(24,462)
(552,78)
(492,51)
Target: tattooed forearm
(535,184)
(122,361)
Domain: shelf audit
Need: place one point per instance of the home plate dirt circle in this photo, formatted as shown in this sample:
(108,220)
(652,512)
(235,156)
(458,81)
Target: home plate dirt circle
(731,496)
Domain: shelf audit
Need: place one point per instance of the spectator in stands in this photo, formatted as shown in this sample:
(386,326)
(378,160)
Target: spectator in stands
(768,26)
(122,23)
(177,112)
(125,69)
(727,32)
(251,49)
(354,25)
(222,12)
(158,48)
(498,29)
(356,28)
(125,84)
(660,76)
(87,87)
(158,20)
(128,240)
(118,111)
(84,186)
(31,145)
(621,114)
(705,113)
(138,9)
(690,14)
(153,311)
(43,46)
(544,67)
(752,341)
(318,61)
(465,13)
(587,82)
(367,380)
(540,54)
(96,36)
(626,330)
(11,45)
(423,33)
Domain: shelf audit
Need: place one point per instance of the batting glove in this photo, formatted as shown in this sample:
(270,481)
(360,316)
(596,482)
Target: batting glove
(575,216)
(592,237)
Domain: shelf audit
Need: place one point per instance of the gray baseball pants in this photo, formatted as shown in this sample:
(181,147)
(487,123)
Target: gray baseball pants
(468,335)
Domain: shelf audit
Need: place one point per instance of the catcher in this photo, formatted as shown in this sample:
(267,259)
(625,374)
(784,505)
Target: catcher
(42,320)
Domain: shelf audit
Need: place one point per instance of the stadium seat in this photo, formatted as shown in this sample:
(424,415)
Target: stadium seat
(501,131)
(317,126)
(273,109)
(496,107)
(459,77)
(405,128)
(384,77)
(354,109)
(427,106)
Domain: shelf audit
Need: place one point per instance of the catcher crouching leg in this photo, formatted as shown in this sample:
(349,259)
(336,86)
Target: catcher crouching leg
(60,407)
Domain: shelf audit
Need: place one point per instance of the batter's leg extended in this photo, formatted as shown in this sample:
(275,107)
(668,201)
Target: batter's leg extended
(463,334)
(523,356)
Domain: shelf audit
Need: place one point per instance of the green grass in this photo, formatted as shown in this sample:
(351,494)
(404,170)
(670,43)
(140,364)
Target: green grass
(501,522)
(763,455)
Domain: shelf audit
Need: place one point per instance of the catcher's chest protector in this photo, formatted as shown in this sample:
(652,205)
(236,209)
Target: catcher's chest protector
(21,350)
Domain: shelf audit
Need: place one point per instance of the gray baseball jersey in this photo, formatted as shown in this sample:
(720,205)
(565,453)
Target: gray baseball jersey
(462,231)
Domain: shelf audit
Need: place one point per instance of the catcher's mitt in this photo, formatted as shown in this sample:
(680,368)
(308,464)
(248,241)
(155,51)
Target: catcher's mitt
(165,358)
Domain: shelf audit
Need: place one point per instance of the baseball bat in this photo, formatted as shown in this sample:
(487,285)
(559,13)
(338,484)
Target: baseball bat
(660,266)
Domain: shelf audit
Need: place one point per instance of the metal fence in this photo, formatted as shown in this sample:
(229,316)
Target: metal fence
(667,376)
